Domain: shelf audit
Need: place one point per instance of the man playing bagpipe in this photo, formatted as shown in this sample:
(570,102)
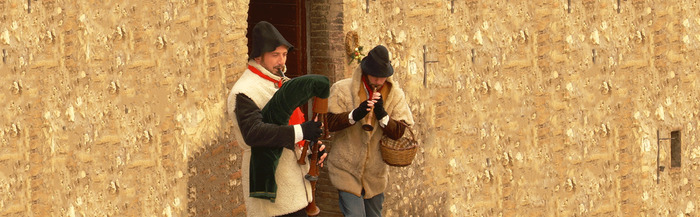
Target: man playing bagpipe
(261,104)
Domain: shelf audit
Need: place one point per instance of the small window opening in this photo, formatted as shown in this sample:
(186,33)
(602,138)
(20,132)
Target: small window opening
(676,149)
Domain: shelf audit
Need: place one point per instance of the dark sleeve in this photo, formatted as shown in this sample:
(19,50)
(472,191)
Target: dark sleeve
(338,122)
(394,129)
(255,132)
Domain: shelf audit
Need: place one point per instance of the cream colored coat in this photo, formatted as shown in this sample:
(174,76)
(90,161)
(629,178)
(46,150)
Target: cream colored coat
(355,161)
(293,191)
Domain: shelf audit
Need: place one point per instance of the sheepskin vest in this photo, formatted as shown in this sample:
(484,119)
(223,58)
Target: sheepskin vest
(355,162)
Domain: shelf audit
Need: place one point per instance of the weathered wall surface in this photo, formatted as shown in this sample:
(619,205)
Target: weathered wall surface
(543,107)
(106,102)
(117,108)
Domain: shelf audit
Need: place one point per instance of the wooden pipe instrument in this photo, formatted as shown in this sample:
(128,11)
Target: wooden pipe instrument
(367,126)
(320,109)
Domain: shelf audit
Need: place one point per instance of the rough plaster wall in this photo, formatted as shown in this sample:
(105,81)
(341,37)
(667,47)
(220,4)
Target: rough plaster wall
(106,102)
(117,107)
(519,119)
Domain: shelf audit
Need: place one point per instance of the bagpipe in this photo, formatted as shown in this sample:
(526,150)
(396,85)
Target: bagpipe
(291,95)
(319,109)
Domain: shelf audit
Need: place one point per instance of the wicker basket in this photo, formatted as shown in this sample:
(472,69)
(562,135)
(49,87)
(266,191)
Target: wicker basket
(399,153)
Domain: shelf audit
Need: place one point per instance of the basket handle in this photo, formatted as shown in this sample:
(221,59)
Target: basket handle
(413,136)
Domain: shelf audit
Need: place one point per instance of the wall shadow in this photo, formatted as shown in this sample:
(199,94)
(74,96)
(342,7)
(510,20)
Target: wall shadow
(214,186)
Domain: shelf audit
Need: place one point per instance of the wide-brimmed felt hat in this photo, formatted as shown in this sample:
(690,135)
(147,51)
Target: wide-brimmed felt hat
(266,38)
(377,63)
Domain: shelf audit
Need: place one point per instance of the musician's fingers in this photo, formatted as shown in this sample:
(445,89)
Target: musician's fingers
(322,159)
(316,119)
(322,147)
(370,103)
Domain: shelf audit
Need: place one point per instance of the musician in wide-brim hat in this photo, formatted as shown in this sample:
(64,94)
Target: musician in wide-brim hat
(369,97)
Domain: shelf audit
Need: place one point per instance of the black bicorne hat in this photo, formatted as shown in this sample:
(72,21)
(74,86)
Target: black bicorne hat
(377,63)
(266,38)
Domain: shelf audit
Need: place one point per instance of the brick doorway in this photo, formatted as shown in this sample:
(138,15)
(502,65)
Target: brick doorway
(326,57)
(315,28)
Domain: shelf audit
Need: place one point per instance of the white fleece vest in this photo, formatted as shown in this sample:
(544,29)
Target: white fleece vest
(293,191)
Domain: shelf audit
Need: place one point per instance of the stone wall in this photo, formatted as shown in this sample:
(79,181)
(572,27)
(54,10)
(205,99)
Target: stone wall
(532,108)
(542,107)
(107,102)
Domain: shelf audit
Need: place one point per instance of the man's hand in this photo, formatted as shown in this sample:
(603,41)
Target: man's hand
(379,111)
(322,153)
(361,111)
(311,130)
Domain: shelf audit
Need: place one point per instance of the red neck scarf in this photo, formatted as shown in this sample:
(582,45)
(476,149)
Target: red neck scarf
(259,73)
